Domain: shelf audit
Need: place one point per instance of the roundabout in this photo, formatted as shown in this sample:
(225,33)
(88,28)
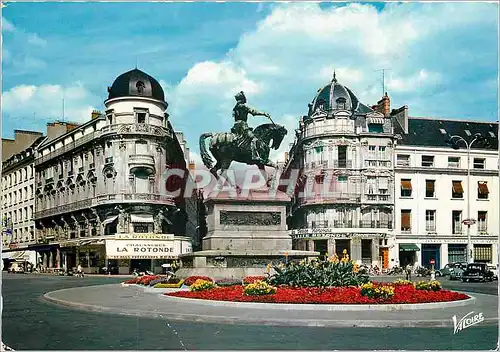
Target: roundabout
(135,301)
(110,317)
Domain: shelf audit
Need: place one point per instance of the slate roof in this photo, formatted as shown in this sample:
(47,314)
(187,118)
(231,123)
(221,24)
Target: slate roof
(426,132)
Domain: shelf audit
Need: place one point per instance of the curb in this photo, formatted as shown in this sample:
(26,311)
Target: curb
(198,318)
(324,307)
(246,319)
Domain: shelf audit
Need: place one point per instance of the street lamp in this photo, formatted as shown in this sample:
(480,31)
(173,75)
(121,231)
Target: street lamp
(453,141)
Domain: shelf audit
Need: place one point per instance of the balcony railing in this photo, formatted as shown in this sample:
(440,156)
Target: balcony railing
(331,197)
(82,204)
(136,128)
(481,227)
(70,146)
(319,224)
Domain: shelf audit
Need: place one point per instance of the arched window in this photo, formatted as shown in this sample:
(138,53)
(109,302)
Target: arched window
(140,87)
(341,102)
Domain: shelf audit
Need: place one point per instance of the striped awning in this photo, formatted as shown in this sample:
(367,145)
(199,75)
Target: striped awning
(375,120)
(141,218)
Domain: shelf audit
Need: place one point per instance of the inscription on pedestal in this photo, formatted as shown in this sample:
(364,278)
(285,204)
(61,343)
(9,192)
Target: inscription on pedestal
(253,218)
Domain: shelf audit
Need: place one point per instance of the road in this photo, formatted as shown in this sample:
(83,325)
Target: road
(29,323)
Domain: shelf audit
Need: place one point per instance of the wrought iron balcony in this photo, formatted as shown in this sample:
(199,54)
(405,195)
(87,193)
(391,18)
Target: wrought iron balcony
(342,164)
(136,128)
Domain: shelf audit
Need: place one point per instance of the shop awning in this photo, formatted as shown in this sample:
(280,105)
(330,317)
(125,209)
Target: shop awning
(408,247)
(13,255)
(109,220)
(141,218)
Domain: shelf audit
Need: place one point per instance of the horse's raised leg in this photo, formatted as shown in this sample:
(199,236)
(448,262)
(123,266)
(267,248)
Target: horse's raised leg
(262,169)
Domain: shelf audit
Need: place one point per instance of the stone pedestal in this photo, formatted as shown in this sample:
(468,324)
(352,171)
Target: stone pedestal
(246,231)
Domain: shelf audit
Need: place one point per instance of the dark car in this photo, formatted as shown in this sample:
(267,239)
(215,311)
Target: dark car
(446,271)
(477,272)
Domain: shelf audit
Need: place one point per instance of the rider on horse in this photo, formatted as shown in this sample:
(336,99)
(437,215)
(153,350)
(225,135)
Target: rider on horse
(244,133)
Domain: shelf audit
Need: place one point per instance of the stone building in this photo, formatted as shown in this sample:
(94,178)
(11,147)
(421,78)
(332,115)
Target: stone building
(18,196)
(435,196)
(101,191)
(344,199)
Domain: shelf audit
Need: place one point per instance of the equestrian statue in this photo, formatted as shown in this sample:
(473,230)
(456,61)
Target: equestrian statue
(244,144)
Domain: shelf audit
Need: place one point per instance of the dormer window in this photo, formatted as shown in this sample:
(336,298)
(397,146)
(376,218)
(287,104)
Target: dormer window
(140,87)
(321,105)
(341,103)
(140,115)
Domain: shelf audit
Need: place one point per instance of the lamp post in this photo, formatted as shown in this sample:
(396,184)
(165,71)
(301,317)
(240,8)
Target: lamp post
(453,141)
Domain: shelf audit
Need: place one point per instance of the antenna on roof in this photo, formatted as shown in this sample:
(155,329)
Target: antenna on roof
(136,60)
(383,78)
(63,107)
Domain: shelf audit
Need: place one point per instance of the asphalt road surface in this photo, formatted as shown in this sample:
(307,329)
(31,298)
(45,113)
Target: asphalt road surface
(30,323)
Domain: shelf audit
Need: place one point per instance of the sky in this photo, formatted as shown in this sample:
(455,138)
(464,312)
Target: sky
(441,59)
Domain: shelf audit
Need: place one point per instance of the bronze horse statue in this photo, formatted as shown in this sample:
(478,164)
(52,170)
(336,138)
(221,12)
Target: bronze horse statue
(228,147)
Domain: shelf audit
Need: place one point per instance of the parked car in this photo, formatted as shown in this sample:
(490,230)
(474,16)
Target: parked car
(493,269)
(477,272)
(446,271)
(458,269)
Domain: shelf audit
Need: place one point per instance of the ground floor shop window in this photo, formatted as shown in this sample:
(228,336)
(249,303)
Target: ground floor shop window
(340,245)
(321,246)
(483,253)
(366,251)
(457,253)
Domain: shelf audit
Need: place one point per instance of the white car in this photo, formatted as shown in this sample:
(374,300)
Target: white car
(493,269)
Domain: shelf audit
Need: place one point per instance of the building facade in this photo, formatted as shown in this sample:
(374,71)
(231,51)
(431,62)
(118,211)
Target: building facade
(344,199)
(18,196)
(435,196)
(101,192)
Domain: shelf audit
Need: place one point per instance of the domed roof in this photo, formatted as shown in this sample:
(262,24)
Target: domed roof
(335,96)
(136,83)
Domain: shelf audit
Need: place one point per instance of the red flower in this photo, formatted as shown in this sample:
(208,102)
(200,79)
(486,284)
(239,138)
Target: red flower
(340,295)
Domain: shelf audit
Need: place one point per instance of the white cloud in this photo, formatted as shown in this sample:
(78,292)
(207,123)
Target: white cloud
(35,39)
(295,49)
(44,102)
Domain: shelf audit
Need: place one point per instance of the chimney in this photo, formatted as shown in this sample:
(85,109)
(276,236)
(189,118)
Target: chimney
(192,166)
(286,156)
(401,116)
(383,105)
(95,114)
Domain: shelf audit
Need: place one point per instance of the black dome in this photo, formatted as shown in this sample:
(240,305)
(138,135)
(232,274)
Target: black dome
(335,96)
(136,83)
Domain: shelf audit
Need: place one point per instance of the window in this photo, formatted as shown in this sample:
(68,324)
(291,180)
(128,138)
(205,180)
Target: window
(141,117)
(375,128)
(141,147)
(372,148)
(483,253)
(341,103)
(481,221)
(456,217)
(342,156)
(429,188)
(403,160)
(453,162)
(479,163)
(110,118)
(457,190)
(430,220)
(140,87)
(482,190)
(381,148)
(406,220)
(427,160)
(406,188)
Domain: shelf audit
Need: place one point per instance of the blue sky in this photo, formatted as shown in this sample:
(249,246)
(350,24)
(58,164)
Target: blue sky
(442,58)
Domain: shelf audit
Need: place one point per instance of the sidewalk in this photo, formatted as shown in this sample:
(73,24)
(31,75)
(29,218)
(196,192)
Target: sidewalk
(115,299)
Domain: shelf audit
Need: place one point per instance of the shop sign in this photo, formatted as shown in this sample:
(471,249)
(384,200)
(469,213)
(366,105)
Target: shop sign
(144,236)
(339,235)
(146,249)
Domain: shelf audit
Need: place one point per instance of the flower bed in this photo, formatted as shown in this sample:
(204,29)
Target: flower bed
(169,285)
(251,279)
(403,294)
(227,282)
(192,279)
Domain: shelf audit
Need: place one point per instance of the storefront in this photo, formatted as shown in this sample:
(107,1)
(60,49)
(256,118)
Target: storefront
(483,253)
(408,254)
(431,252)
(457,253)
(141,252)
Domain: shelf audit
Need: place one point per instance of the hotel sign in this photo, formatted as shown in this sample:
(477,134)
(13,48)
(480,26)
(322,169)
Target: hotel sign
(144,236)
(146,248)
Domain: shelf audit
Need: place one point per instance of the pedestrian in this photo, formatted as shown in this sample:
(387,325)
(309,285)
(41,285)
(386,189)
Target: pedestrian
(79,271)
(408,272)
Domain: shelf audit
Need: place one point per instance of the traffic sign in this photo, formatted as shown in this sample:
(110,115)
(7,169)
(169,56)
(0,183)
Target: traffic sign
(469,222)
(433,261)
